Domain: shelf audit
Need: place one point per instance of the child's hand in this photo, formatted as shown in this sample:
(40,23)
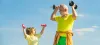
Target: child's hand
(23,26)
(43,25)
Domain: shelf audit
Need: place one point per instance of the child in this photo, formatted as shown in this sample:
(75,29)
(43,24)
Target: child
(64,25)
(31,36)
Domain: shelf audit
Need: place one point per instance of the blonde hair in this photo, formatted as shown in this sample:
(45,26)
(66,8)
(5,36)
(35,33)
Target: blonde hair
(29,30)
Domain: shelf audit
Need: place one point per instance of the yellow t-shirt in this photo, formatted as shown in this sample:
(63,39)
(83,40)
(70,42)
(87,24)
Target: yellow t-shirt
(33,40)
(64,24)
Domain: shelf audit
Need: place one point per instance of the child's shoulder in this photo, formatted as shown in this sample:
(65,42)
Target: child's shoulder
(38,35)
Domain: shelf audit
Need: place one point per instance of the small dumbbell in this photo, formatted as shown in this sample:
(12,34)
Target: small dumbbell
(23,26)
(71,3)
(53,7)
(43,25)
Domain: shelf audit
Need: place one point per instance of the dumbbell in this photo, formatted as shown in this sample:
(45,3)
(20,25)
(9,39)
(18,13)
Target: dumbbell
(53,7)
(43,25)
(71,3)
(23,26)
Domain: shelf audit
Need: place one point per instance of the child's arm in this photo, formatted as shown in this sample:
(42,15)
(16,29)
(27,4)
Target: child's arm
(54,13)
(24,32)
(74,13)
(43,27)
(23,28)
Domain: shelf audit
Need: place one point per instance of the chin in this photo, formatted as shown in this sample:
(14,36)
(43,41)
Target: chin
(62,14)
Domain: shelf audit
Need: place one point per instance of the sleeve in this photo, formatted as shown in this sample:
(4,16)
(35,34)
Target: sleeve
(57,18)
(38,35)
(70,16)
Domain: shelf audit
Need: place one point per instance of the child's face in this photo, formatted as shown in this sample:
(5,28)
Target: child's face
(34,31)
(63,10)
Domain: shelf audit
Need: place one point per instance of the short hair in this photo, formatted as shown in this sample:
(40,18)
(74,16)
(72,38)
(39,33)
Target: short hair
(29,30)
(65,6)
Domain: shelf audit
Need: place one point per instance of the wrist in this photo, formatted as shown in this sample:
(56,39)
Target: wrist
(72,7)
(55,10)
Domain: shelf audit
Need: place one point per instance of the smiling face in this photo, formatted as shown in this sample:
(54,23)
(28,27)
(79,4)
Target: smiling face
(33,31)
(63,9)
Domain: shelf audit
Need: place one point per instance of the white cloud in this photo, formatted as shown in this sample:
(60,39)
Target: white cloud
(81,31)
(86,29)
(81,15)
(95,26)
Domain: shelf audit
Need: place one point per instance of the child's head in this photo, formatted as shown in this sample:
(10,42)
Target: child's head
(30,30)
(63,9)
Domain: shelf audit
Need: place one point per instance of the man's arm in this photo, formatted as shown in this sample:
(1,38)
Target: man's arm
(54,13)
(74,13)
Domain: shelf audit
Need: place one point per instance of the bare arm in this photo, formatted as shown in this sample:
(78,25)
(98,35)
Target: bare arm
(23,28)
(54,13)
(24,32)
(42,31)
(74,13)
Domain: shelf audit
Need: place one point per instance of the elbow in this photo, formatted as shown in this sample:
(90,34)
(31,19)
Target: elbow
(41,33)
(74,17)
(51,19)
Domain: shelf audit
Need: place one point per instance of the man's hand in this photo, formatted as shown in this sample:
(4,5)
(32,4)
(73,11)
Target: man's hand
(73,6)
(56,8)
(74,13)
(54,13)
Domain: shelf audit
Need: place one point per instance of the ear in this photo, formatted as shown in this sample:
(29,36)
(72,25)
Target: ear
(65,9)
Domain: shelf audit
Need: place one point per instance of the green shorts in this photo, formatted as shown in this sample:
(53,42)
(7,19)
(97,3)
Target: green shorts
(62,41)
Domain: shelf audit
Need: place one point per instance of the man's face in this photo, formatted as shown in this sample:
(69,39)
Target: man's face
(63,10)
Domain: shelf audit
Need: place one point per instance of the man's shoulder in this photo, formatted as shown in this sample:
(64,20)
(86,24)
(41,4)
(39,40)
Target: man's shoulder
(58,16)
(70,14)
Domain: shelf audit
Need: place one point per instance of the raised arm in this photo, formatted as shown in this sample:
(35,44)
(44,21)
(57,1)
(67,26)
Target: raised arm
(43,27)
(23,28)
(74,13)
(54,13)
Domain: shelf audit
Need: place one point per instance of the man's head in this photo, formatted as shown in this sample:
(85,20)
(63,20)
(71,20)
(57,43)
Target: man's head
(63,9)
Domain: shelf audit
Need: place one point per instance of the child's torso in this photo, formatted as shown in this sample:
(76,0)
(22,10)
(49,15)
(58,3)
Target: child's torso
(33,40)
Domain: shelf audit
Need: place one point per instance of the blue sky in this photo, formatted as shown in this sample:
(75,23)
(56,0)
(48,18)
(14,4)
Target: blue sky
(33,13)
